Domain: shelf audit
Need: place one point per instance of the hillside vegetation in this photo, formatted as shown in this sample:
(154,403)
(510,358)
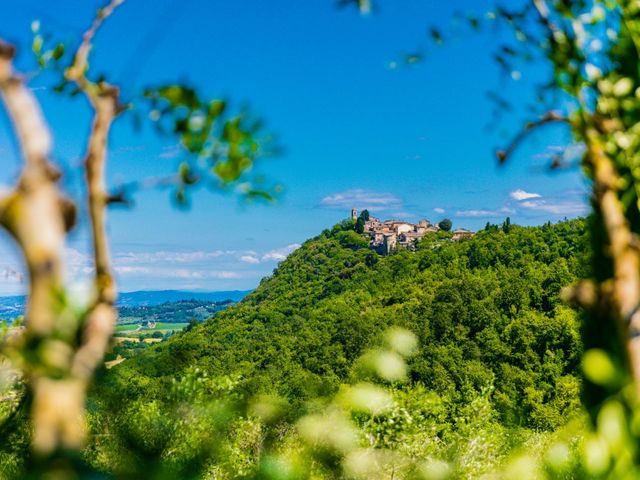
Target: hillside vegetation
(486,312)
(496,345)
(182,311)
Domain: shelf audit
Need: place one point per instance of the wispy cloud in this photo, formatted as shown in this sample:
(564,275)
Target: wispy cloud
(561,152)
(520,195)
(439,210)
(561,208)
(11,273)
(522,202)
(128,270)
(280,254)
(156,269)
(170,257)
(361,199)
(482,213)
(129,149)
(250,259)
(197,268)
(403,215)
(181,273)
(170,151)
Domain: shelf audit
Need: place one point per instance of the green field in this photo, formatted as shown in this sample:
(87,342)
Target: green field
(163,327)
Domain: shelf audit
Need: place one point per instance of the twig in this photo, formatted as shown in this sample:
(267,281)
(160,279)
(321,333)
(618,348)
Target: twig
(545,14)
(152,40)
(81,59)
(550,117)
(122,194)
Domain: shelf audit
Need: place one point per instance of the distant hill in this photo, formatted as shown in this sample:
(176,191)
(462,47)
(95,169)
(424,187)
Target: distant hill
(13,306)
(181,311)
(157,297)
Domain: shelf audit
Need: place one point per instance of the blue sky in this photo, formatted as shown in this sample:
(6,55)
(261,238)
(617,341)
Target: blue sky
(407,142)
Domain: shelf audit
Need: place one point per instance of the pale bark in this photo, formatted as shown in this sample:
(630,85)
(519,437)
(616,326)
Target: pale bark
(34,214)
(621,297)
(37,215)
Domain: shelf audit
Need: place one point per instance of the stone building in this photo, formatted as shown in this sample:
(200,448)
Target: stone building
(462,233)
(389,243)
(386,236)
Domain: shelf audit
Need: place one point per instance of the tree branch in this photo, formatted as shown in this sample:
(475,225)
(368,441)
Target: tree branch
(545,15)
(34,216)
(624,295)
(38,216)
(549,117)
(123,193)
(104,99)
(81,60)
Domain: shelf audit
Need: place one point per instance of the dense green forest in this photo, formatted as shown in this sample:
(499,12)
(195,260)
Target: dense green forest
(497,354)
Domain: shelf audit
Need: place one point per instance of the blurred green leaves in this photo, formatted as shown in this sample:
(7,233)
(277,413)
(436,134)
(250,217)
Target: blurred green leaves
(46,52)
(599,368)
(219,146)
(364,6)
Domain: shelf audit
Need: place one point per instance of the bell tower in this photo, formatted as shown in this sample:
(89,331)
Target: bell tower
(354,214)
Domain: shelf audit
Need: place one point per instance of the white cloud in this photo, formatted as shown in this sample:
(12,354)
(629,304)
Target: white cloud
(196,266)
(149,262)
(11,274)
(169,257)
(280,254)
(225,274)
(250,259)
(178,273)
(129,270)
(75,257)
(161,269)
(562,208)
(171,269)
(439,210)
(520,195)
(568,204)
(361,199)
(77,263)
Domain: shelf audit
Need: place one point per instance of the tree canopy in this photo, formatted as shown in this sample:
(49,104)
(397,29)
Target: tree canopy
(445,224)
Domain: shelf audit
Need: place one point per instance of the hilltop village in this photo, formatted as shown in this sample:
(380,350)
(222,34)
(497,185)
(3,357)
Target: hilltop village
(387,236)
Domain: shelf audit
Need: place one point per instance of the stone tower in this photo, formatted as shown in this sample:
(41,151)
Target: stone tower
(354,214)
(390,243)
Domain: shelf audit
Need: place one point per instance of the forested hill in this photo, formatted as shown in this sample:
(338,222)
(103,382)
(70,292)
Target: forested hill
(486,311)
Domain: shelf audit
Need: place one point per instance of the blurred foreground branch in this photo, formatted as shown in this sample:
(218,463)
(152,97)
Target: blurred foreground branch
(34,214)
